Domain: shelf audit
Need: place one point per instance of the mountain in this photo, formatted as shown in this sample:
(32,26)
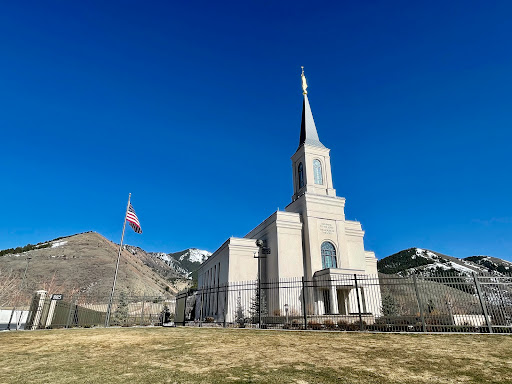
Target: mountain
(85,263)
(493,264)
(426,262)
(190,260)
(185,263)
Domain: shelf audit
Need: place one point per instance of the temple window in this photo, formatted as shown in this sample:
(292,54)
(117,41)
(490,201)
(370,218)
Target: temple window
(301,176)
(328,255)
(317,169)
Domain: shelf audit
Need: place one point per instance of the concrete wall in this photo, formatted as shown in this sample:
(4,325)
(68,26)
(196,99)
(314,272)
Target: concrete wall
(20,317)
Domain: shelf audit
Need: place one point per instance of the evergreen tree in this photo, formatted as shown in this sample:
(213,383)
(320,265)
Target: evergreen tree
(389,305)
(121,314)
(239,312)
(255,305)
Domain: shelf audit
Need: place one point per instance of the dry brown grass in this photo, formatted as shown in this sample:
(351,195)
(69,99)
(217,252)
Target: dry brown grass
(193,355)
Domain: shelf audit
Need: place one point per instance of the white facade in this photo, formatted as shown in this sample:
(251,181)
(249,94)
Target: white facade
(310,239)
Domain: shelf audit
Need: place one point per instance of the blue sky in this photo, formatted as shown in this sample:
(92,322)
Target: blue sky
(194,108)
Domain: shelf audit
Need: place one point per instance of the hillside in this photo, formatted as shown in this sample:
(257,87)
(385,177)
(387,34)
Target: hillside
(173,266)
(85,263)
(426,262)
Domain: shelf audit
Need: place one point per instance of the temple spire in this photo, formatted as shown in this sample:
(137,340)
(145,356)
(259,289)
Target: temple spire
(308,133)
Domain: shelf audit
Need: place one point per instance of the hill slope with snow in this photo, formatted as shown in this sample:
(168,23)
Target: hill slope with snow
(426,262)
(185,262)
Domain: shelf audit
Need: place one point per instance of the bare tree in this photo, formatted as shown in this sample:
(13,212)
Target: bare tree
(9,287)
(50,284)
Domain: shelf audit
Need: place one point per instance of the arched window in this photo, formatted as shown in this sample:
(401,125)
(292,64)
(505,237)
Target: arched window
(317,169)
(328,255)
(301,176)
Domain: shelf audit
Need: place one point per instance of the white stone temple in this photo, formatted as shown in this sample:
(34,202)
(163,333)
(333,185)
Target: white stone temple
(310,239)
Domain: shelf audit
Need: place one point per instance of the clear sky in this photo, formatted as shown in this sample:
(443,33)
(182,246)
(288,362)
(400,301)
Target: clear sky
(194,108)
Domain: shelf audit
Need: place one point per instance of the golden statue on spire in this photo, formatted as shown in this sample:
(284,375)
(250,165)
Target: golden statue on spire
(304,84)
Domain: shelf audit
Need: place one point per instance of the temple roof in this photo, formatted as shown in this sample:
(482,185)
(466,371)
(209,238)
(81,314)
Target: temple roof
(308,133)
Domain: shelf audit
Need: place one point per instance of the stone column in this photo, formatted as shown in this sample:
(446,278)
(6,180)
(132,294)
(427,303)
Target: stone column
(334,300)
(51,311)
(40,297)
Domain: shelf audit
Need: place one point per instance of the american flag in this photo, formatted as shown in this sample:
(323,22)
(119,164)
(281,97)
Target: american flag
(132,219)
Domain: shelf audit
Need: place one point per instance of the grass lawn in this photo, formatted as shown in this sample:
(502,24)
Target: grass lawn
(202,355)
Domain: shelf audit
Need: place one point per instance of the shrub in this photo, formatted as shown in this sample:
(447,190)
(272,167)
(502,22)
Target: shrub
(329,324)
(314,325)
(353,327)
(209,319)
(343,325)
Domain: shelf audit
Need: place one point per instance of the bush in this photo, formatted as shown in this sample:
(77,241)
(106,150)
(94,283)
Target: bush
(329,324)
(354,326)
(314,325)
(346,326)
(209,319)
(343,325)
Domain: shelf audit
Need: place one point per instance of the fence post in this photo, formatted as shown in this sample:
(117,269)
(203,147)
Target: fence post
(482,302)
(142,312)
(10,319)
(225,304)
(420,304)
(201,310)
(259,300)
(40,296)
(185,307)
(358,304)
(304,302)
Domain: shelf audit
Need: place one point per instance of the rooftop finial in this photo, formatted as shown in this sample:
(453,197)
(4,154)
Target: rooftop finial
(304,84)
(308,133)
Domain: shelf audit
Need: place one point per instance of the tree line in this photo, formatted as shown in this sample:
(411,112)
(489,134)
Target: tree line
(28,247)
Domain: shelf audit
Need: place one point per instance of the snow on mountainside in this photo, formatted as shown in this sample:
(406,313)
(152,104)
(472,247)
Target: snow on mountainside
(171,262)
(426,262)
(195,255)
(185,263)
(190,260)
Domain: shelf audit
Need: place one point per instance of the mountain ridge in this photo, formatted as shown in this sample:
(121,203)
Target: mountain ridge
(428,262)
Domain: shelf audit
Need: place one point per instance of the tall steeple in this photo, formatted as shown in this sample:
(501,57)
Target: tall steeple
(308,133)
(311,162)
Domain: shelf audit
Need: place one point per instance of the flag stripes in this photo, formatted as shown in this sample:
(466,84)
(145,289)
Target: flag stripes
(132,219)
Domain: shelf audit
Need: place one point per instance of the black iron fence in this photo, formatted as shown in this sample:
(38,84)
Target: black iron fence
(434,303)
(54,311)
(419,303)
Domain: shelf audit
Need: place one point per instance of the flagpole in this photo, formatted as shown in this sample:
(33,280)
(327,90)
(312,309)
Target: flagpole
(107,319)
